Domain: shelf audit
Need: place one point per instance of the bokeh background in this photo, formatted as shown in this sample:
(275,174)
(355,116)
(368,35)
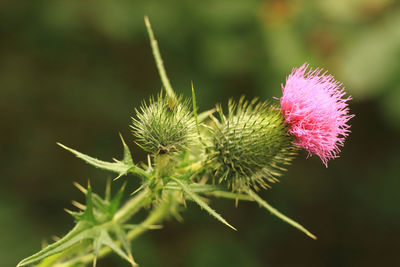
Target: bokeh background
(73,71)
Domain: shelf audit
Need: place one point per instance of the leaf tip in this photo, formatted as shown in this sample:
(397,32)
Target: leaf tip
(311,235)
(122,139)
(61,145)
(69,211)
(147,22)
(80,187)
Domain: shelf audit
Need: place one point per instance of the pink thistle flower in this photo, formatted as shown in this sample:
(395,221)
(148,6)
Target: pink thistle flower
(315,111)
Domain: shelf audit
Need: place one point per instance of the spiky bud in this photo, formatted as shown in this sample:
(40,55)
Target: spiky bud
(251,145)
(163,125)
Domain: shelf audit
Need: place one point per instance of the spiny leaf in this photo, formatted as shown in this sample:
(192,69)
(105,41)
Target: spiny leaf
(88,214)
(98,202)
(195,111)
(96,248)
(281,216)
(106,240)
(115,202)
(196,117)
(125,242)
(77,234)
(159,61)
(120,167)
(200,202)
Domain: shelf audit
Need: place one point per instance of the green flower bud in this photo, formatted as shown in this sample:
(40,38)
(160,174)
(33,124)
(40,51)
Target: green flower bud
(250,145)
(164,125)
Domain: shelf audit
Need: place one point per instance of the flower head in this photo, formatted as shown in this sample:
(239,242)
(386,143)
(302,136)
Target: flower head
(316,112)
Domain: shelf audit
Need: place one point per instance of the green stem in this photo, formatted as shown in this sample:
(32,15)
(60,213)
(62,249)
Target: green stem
(132,206)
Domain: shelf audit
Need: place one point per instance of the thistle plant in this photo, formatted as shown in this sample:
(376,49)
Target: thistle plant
(195,156)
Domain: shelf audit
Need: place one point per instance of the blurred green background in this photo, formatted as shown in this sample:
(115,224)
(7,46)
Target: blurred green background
(73,71)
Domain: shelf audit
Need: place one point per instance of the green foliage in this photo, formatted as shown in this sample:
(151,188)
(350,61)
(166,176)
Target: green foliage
(122,167)
(94,225)
(251,145)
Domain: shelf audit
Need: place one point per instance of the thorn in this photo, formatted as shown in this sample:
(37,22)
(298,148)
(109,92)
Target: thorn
(61,145)
(236,202)
(69,211)
(137,190)
(95,261)
(108,189)
(78,205)
(184,200)
(312,236)
(155,227)
(122,139)
(80,188)
(146,20)
(132,261)
(123,186)
(178,217)
(88,184)
(55,238)
(119,176)
(44,243)
(139,145)
(149,161)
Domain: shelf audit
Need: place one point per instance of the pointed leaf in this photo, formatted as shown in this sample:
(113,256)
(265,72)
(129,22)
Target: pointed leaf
(76,235)
(115,202)
(96,248)
(201,203)
(195,111)
(159,61)
(120,167)
(125,242)
(107,241)
(88,214)
(281,216)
